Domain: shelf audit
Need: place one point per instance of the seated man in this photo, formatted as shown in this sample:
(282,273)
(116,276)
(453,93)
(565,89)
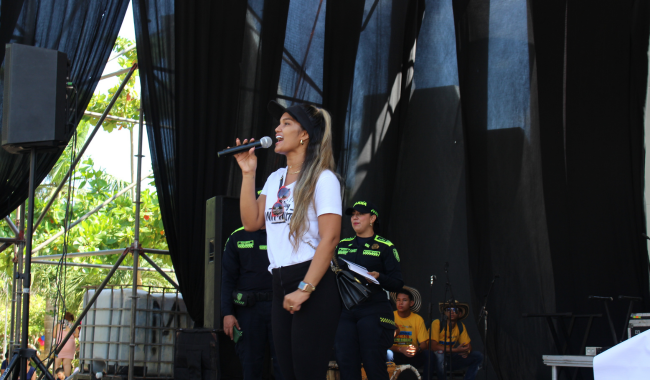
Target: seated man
(411,337)
(452,334)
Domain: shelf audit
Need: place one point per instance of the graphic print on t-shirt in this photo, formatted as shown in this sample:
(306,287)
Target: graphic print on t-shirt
(404,338)
(282,209)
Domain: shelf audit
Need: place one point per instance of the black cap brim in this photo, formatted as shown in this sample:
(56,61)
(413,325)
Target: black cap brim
(296,111)
(276,110)
(369,209)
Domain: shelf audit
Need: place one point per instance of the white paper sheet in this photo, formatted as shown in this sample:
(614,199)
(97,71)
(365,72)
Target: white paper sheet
(356,268)
(627,360)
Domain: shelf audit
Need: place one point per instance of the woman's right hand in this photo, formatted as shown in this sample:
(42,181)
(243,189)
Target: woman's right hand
(247,160)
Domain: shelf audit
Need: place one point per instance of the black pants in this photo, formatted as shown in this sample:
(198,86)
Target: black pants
(472,362)
(255,322)
(364,335)
(304,340)
(417,361)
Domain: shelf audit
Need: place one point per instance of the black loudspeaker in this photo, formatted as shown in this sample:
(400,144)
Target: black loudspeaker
(205,354)
(34,106)
(221,219)
(196,355)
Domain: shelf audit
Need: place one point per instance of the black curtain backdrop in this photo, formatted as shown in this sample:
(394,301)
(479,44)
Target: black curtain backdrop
(501,137)
(86,32)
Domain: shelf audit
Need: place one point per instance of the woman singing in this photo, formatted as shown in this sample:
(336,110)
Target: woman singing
(366,332)
(301,207)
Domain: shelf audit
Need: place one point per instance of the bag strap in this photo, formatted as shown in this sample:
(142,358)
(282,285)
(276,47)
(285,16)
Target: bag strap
(335,268)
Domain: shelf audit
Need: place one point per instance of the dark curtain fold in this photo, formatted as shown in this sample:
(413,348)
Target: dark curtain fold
(86,32)
(207,70)
(9,13)
(262,57)
(507,228)
(342,31)
(604,160)
(554,148)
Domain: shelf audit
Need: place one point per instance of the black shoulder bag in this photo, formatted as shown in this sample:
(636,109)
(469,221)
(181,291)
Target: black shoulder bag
(352,291)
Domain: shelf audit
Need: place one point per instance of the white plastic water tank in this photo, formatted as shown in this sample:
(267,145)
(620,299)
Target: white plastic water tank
(168,315)
(106,334)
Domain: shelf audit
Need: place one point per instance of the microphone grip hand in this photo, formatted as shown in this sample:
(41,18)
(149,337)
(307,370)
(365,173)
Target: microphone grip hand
(247,161)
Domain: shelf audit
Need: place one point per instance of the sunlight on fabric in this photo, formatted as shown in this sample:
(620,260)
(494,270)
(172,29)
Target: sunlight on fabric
(437,64)
(383,122)
(508,66)
(301,75)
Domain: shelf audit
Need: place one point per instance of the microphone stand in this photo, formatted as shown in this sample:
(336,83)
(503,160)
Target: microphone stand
(484,314)
(429,354)
(448,333)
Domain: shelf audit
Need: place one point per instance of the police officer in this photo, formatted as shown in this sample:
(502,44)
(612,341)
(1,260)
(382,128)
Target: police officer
(365,332)
(246,294)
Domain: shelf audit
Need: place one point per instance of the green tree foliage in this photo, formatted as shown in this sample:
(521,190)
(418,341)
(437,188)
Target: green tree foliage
(128,104)
(112,227)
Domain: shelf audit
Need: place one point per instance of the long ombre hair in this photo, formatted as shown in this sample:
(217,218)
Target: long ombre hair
(318,158)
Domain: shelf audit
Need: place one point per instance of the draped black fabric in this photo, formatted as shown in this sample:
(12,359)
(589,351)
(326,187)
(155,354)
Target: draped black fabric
(190,85)
(86,32)
(555,160)
(502,137)
(507,225)
(598,158)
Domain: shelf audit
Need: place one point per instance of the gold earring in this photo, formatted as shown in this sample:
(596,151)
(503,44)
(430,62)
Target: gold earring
(302,143)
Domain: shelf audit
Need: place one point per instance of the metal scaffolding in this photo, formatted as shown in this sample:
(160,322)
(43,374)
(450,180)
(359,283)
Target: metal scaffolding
(136,249)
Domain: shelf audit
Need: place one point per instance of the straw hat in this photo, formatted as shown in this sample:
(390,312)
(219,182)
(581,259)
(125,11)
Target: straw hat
(463,308)
(416,297)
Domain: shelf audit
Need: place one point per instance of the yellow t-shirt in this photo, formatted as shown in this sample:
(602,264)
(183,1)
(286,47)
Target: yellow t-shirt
(412,330)
(445,340)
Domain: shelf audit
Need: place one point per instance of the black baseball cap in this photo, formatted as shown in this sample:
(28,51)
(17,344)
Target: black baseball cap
(297,111)
(363,207)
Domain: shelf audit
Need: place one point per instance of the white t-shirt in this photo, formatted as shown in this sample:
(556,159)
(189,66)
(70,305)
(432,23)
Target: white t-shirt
(327,200)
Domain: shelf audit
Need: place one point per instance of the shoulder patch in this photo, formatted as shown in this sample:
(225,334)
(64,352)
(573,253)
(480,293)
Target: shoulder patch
(239,229)
(382,240)
(396,255)
(246,244)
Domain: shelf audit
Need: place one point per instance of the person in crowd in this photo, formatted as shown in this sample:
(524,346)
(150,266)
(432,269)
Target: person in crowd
(365,332)
(31,371)
(65,356)
(59,374)
(246,295)
(452,334)
(301,207)
(412,337)
(5,363)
